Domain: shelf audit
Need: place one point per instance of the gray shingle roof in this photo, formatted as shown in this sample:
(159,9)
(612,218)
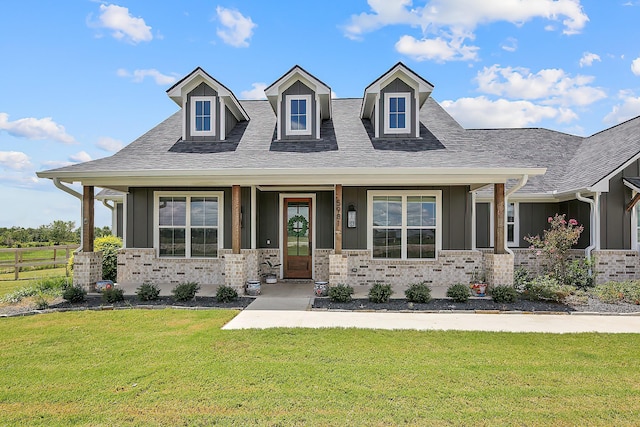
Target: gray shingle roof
(572,162)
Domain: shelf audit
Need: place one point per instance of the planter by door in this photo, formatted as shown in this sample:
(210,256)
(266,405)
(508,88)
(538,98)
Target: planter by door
(297,238)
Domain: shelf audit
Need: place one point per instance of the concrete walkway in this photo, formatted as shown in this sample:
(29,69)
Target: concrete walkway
(549,323)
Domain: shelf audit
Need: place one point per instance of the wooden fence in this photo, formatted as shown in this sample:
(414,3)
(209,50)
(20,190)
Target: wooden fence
(35,257)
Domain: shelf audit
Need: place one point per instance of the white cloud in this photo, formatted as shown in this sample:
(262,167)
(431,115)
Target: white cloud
(109,144)
(510,44)
(237,30)
(79,157)
(437,49)
(138,76)
(635,66)
(588,58)
(628,109)
(124,26)
(552,86)
(14,160)
(481,112)
(256,91)
(32,128)
(454,21)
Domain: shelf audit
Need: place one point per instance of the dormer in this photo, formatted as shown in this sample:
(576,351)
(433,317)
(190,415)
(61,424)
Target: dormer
(301,102)
(209,110)
(393,101)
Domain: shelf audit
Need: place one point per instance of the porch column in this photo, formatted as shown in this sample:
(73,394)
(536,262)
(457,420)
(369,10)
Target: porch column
(235,219)
(338,219)
(499,219)
(87,219)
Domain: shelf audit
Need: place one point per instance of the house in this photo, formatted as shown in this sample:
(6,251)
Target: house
(387,187)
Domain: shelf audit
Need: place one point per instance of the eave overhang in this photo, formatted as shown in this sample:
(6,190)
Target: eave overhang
(297,73)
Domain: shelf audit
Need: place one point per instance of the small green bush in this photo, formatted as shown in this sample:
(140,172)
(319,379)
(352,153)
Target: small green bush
(340,293)
(109,246)
(547,288)
(41,301)
(617,292)
(578,274)
(418,292)
(504,294)
(113,295)
(458,292)
(380,293)
(74,294)
(148,292)
(226,294)
(185,291)
(520,278)
(48,285)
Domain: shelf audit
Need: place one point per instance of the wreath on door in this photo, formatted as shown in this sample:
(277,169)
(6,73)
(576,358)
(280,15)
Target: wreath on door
(297,226)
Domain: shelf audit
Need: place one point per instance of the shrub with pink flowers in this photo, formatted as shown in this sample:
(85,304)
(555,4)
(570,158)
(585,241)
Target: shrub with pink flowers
(555,245)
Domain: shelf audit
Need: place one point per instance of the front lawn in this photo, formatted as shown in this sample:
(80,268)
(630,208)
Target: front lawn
(174,367)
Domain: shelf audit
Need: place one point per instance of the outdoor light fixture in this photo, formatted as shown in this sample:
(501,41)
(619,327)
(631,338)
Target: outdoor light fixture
(351,217)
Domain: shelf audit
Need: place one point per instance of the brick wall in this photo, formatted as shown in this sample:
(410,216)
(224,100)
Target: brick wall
(87,269)
(616,265)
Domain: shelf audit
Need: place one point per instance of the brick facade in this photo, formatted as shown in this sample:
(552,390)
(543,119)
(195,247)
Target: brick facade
(87,269)
(616,265)
(499,269)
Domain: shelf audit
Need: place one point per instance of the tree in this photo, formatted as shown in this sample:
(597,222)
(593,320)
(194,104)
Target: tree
(61,231)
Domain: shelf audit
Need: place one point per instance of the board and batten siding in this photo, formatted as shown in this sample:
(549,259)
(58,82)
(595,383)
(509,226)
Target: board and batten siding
(202,90)
(615,221)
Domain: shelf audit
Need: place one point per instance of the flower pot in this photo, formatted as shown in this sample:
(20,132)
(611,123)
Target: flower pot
(253,288)
(479,289)
(321,289)
(271,279)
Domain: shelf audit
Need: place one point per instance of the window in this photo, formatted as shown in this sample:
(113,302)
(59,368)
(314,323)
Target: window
(188,226)
(404,225)
(397,113)
(299,114)
(203,116)
(512,225)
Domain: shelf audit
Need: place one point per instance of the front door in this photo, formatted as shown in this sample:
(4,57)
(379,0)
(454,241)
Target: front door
(297,238)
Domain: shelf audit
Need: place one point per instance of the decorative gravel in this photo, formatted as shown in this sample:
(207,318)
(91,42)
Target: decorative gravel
(475,304)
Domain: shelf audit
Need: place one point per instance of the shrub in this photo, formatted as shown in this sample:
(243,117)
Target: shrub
(113,295)
(74,294)
(340,293)
(504,294)
(547,288)
(418,292)
(458,292)
(520,278)
(148,292)
(617,292)
(226,294)
(185,291)
(41,301)
(109,246)
(48,285)
(380,293)
(578,274)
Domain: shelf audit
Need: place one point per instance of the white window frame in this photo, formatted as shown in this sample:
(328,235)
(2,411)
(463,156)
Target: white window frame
(287,100)
(516,224)
(212,100)
(188,195)
(404,194)
(408,117)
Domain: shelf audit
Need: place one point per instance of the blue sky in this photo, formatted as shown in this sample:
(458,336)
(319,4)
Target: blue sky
(80,79)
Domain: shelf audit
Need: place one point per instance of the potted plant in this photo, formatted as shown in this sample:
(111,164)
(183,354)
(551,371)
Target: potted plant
(478,284)
(270,276)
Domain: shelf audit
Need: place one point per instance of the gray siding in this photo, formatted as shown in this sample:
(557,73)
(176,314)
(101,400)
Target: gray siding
(397,86)
(580,211)
(202,90)
(615,221)
(324,220)
(298,88)
(456,216)
(119,220)
(268,217)
(230,121)
(483,225)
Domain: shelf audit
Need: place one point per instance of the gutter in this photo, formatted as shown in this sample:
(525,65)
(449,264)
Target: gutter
(74,193)
(519,185)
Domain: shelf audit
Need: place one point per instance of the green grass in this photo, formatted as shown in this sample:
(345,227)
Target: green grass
(27,278)
(173,367)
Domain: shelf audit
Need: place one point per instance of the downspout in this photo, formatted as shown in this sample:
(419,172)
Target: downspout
(473,220)
(74,193)
(592,225)
(519,185)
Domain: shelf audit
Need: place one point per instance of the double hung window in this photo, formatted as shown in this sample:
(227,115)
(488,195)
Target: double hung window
(298,114)
(404,225)
(188,226)
(203,115)
(397,116)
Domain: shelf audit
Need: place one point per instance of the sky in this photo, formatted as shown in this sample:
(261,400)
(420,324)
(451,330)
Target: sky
(80,79)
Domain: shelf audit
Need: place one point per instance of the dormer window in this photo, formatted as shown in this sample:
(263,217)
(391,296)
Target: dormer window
(203,115)
(298,112)
(397,116)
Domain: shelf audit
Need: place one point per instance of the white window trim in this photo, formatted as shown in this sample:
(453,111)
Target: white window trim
(156,219)
(428,193)
(408,116)
(212,100)
(288,99)
(516,225)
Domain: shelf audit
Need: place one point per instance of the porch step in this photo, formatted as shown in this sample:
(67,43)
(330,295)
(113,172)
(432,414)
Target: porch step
(281,303)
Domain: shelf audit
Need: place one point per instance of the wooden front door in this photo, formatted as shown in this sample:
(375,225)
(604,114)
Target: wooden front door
(297,238)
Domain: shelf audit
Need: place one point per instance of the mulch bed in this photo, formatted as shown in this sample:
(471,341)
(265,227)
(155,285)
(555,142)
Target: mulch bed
(95,301)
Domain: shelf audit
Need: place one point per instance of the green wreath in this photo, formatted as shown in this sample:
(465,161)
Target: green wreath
(292,226)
